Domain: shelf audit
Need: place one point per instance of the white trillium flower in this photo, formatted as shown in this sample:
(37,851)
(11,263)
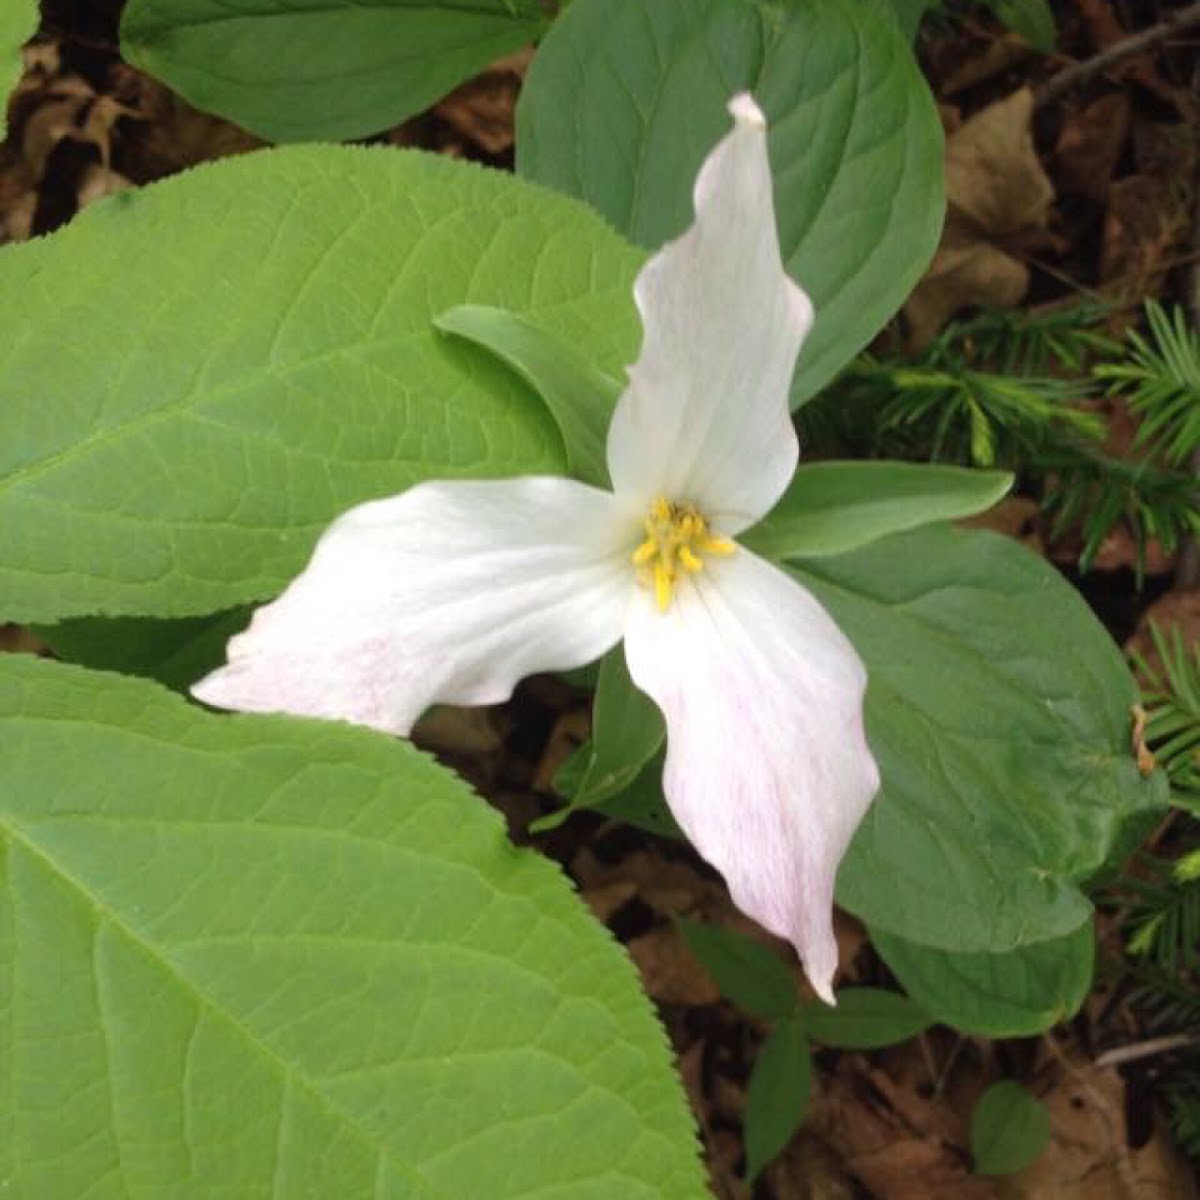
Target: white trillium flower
(453,591)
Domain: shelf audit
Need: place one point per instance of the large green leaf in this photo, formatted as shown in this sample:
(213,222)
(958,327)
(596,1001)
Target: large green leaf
(1017,994)
(18,23)
(1000,713)
(271,362)
(255,957)
(301,70)
(625,98)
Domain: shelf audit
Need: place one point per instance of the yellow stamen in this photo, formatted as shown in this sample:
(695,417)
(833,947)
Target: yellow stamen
(662,586)
(645,552)
(677,538)
(721,547)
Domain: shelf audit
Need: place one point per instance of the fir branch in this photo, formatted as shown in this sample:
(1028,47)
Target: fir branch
(1161,384)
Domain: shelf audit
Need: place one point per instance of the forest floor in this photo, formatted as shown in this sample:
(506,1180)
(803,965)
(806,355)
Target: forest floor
(1063,186)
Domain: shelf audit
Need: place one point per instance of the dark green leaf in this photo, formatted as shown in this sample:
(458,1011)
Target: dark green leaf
(627,731)
(1009,1129)
(833,507)
(307,70)
(1016,994)
(864,1019)
(626,97)
(1000,712)
(744,969)
(176,653)
(642,802)
(777,1094)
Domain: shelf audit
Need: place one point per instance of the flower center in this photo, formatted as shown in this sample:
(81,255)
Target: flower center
(677,536)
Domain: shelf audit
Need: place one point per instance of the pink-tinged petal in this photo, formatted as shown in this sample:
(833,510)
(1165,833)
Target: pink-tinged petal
(705,418)
(768,771)
(450,592)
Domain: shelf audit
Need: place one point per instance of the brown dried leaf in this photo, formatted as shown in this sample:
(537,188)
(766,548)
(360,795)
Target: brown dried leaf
(569,732)
(1089,1157)
(998,199)
(993,177)
(174,134)
(899,1144)
(809,1170)
(482,110)
(1015,517)
(670,972)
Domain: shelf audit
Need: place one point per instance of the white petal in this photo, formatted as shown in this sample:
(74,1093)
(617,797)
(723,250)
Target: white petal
(705,417)
(768,771)
(450,592)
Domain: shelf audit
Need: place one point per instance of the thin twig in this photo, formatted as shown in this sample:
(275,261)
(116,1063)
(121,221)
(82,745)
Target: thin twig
(1146,1049)
(1137,43)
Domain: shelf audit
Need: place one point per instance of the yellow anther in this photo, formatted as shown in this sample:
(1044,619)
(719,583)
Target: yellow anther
(662,586)
(721,547)
(677,538)
(645,552)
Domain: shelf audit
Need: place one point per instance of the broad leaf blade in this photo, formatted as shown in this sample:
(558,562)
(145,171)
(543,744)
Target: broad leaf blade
(1000,713)
(835,507)
(864,1019)
(272,362)
(251,956)
(1017,994)
(626,97)
(307,70)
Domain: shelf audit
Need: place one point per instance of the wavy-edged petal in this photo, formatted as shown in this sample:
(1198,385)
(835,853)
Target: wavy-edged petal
(449,592)
(768,770)
(705,417)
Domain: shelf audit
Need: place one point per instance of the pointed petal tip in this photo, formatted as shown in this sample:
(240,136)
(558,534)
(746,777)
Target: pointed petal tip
(743,108)
(820,964)
(219,689)
(824,990)
(205,691)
